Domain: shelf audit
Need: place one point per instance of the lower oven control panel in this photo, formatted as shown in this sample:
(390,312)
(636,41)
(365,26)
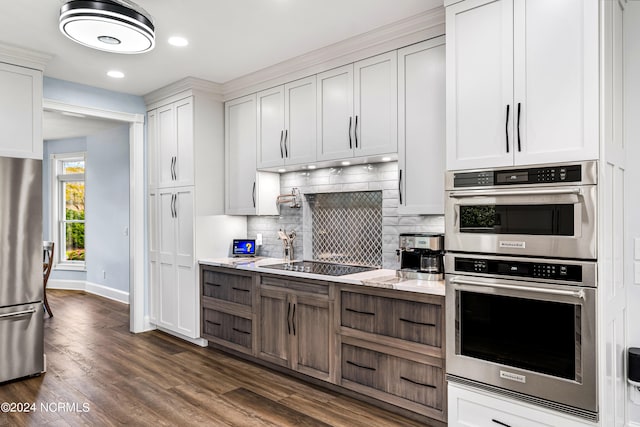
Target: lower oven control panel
(501,267)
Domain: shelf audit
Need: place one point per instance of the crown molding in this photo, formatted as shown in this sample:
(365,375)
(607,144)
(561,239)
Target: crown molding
(402,33)
(188,84)
(16,55)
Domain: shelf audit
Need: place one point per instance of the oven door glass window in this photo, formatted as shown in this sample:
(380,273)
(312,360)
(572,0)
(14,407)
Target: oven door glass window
(538,220)
(537,335)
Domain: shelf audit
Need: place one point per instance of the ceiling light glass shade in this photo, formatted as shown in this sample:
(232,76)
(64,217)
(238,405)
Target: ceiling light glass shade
(117,26)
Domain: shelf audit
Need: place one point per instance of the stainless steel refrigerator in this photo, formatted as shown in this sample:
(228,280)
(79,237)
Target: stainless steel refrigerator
(21,284)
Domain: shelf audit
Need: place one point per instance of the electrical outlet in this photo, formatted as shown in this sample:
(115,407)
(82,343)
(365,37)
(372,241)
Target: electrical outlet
(259,239)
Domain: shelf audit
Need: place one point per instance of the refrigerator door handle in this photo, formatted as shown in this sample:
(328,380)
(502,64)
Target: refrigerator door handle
(18,313)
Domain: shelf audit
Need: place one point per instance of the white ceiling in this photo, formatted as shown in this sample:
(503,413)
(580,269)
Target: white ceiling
(228,38)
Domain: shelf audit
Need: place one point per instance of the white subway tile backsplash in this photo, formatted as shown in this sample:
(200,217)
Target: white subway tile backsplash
(379,176)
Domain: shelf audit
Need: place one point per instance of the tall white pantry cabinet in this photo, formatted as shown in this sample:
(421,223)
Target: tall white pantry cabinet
(185,183)
(541,81)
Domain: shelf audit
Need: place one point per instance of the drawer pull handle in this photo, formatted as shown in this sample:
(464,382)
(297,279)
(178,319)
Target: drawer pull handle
(213,323)
(240,289)
(500,423)
(417,382)
(213,284)
(241,331)
(368,368)
(413,322)
(368,313)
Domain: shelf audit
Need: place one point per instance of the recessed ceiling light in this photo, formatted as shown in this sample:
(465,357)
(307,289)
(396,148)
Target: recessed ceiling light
(386,159)
(346,163)
(116,26)
(115,74)
(312,166)
(282,170)
(178,41)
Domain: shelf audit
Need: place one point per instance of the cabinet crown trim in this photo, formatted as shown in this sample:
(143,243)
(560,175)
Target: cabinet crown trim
(15,55)
(183,85)
(414,29)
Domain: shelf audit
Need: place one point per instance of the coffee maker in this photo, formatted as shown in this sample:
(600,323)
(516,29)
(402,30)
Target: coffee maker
(421,256)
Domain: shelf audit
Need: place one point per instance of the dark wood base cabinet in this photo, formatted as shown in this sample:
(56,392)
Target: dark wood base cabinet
(368,342)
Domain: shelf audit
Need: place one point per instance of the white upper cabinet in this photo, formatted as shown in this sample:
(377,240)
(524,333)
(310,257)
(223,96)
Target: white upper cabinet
(20,112)
(270,127)
(300,121)
(335,113)
(556,80)
(522,84)
(421,127)
(375,105)
(357,109)
(248,192)
(174,135)
(287,124)
(152,149)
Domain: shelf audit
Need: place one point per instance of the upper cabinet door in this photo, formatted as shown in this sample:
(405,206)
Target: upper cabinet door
(152,149)
(375,97)
(335,114)
(20,112)
(174,143)
(240,152)
(300,121)
(556,80)
(421,127)
(271,127)
(166,145)
(479,84)
(183,167)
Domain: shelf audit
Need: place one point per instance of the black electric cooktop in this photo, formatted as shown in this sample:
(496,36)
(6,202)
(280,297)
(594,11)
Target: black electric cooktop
(316,267)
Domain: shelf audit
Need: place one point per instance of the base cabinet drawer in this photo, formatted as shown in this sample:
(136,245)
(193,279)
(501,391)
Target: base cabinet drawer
(418,322)
(475,408)
(227,287)
(227,327)
(406,379)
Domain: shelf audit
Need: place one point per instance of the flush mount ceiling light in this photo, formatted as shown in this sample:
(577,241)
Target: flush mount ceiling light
(118,26)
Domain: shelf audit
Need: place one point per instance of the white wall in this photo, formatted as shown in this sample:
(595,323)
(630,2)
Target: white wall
(632,191)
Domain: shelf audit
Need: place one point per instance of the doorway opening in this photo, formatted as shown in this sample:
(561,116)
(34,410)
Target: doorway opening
(103,121)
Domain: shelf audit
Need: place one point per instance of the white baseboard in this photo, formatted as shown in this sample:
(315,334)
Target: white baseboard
(90,287)
(147,325)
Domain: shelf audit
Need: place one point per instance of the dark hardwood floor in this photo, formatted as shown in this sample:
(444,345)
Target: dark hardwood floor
(99,374)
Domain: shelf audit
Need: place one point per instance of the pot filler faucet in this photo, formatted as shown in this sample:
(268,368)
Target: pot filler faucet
(287,242)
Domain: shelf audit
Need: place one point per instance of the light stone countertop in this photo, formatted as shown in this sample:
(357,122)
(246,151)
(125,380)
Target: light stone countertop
(380,278)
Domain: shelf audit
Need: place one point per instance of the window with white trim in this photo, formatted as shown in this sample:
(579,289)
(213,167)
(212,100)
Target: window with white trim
(68,204)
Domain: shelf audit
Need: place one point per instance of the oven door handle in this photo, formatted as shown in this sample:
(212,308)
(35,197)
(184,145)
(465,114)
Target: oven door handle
(528,192)
(576,294)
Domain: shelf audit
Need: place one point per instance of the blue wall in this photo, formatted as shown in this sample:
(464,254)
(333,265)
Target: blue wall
(107,238)
(89,96)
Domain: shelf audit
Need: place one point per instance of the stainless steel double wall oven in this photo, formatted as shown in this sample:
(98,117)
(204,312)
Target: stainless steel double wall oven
(521,283)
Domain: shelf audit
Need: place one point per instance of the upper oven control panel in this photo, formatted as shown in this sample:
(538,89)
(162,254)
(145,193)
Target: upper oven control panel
(523,176)
(536,269)
(577,173)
